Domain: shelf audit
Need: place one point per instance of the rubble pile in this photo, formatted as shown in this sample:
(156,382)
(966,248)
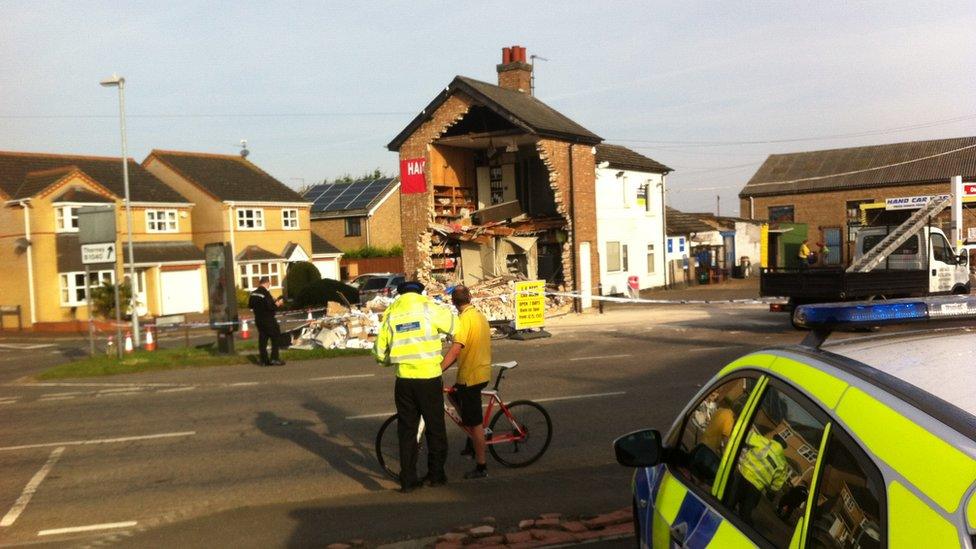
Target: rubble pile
(354,330)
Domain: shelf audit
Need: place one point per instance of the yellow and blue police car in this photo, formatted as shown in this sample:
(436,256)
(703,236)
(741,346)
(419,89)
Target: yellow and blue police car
(855,443)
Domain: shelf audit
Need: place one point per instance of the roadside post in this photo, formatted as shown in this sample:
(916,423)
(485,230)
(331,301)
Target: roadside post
(97,238)
(222,292)
(530,310)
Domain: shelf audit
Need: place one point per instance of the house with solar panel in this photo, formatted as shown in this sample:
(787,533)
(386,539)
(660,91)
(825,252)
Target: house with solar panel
(357,214)
(266,222)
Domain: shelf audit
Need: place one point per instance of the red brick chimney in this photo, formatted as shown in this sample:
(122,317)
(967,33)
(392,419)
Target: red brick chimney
(514,72)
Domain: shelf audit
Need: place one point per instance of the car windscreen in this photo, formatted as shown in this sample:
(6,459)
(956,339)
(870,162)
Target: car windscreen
(374,284)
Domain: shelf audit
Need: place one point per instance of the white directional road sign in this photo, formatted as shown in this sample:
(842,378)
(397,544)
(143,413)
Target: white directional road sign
(98,253)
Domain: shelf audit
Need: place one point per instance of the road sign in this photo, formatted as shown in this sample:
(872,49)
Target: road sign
(530,304)
(96,224)
(98,253)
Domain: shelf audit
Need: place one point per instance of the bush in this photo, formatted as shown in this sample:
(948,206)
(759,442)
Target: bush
(373,251)
(103,299)
(321,292)
(243,299)
(300,274)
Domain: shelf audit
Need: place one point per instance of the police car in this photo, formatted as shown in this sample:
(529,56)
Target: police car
(854,443)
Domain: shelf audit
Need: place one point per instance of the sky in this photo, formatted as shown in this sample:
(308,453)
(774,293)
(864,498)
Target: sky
(319,88)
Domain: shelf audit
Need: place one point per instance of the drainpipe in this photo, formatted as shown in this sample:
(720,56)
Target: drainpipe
(30,260)
(233,247)
(752,209)
(664,229)
(366,220)
(578,302)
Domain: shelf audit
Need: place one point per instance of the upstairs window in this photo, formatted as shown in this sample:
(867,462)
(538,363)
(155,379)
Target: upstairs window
(66,219)
(250,219)
(354,226)
(161,221)
(289,219)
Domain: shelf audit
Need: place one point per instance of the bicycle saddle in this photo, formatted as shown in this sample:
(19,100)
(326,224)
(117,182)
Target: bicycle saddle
(505,365)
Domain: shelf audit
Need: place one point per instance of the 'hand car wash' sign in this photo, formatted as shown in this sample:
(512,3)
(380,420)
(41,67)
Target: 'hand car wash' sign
(909,202)
(412,178)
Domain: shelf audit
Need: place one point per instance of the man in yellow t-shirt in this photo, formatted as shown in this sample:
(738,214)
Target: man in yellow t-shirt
(472,351)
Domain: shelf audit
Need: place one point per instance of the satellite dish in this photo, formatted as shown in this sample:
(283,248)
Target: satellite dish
(21,245)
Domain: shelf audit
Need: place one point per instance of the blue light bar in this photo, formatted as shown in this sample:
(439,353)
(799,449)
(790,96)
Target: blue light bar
(892,311)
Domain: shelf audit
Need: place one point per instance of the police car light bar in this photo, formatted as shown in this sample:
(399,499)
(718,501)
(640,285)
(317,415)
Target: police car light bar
(892,311)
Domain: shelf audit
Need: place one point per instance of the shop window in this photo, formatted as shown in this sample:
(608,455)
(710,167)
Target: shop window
(781,214)
(650,259)
(251,274)
(161,221)
(854,211)
(74,292)
(250,219)
(613,257)
(354,226)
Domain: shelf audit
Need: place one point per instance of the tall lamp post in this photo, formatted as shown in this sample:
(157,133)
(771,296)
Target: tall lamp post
(116,81)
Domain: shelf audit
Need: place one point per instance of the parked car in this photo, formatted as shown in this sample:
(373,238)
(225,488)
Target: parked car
(863,442)
(374,284)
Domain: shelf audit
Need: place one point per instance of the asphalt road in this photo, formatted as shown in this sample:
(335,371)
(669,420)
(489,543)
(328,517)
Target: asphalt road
(256,457)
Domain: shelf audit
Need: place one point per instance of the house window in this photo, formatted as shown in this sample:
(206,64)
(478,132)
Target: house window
(624,257)
(650,259)
(354,226)
(289,219)
(626,190)
(613,256)
(66,219)
(73,290)
(251,274)
(161,221)
(781,214)
(250,219)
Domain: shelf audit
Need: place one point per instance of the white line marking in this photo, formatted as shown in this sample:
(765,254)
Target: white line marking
(53,384)
(576,397)
(8,401)
(119,390)
(367,416)
(333,378)
(31,487)
(26,346)
(45,395)
(46,399)
(550,399)
(244,383)
(90,528)
(176,389)
(99,441)
(598,357)
(700,349)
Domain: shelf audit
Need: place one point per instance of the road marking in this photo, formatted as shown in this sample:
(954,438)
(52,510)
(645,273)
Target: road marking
(177,389)
(550,399)
(26,346)
(52,384)
(89,528)
(578,397)
(98,441)
(31,487)
(700,349)
(128,389)
(45,395)
(244,383)
(367,416)
(8,401)
(601,357)
(334,378)
(49,398)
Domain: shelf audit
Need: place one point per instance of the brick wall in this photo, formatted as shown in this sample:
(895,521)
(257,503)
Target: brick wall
(829,209)
(581,218)
(417,210)
(334,231)
(515,76)
(384,226)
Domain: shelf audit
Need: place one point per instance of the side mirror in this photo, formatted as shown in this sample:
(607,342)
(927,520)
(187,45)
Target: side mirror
(639,449)
(963,258)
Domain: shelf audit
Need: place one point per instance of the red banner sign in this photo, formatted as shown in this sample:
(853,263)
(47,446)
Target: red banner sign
(412,179)
(969,189)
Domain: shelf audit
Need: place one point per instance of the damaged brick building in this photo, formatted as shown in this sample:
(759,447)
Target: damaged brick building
(496,182)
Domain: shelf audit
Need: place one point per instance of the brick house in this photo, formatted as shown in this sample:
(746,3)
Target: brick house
(43,272)
(801,189)
(266,222)
(506,184)
(357,214)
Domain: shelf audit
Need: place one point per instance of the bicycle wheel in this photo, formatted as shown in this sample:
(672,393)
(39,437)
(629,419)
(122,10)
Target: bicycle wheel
(533,420)
(388,450)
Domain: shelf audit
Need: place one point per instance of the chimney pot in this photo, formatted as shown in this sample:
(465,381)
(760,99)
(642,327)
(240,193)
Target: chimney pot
(506,55)
(514,72)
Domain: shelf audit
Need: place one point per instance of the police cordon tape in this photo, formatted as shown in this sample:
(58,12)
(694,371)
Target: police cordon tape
(613,299)
(184,325)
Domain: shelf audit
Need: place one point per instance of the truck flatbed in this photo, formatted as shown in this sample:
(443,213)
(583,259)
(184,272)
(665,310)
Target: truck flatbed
(824,285)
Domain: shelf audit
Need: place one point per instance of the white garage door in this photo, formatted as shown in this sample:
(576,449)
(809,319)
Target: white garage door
(328,268)
(181,292)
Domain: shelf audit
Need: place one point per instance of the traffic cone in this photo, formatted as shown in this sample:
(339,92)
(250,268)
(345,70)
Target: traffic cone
(245,331)
(128,343)
(150,341)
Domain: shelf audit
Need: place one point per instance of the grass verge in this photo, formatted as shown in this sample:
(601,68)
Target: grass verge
(171,359)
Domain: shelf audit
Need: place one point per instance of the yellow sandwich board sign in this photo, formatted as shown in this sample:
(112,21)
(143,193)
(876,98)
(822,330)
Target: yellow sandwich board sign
(530,304)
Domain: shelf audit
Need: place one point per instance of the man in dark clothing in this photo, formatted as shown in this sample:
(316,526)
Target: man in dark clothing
(265,306)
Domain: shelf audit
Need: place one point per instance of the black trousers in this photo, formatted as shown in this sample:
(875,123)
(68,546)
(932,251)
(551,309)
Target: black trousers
(416,398)
(268,330)
(745,497)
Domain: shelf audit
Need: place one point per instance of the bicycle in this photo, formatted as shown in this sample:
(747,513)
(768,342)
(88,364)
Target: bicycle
(517,435)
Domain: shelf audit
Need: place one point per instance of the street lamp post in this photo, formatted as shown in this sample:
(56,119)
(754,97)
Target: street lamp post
(119,82)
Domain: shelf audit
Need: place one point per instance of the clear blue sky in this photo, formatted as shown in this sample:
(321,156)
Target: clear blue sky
(354,74)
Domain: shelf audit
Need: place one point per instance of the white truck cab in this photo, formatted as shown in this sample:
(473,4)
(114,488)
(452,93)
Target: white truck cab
(929,249)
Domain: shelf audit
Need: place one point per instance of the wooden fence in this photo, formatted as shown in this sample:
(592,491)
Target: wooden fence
(351,268)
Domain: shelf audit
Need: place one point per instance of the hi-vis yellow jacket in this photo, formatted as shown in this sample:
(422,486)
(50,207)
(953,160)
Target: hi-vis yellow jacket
(409,336)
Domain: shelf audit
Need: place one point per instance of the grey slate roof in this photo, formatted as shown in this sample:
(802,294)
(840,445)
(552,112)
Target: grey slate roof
(521,109)
(227,177)
(75,194)
(777,174)
(348,199)
(622,158)
(256,253)
(170,251)
(321,246)
(680,223)
(18,181)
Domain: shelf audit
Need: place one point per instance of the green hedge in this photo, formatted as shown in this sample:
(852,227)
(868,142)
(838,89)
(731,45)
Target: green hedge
(373,251)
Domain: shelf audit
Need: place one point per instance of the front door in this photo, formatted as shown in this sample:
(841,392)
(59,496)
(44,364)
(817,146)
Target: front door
(832,239)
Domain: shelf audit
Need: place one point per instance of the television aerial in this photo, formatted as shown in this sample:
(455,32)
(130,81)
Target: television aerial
(244,151)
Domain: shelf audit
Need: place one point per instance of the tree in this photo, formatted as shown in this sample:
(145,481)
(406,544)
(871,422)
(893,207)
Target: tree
(300,274)
(103,298)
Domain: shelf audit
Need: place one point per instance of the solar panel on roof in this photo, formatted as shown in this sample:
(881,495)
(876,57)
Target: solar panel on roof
(349,196)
